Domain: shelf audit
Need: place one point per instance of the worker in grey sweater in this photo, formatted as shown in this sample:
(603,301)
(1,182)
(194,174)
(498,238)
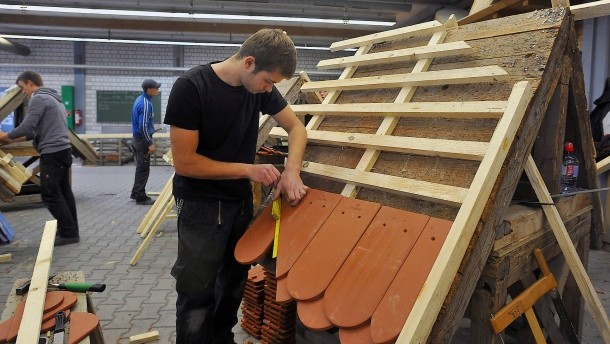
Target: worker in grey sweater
(45,123)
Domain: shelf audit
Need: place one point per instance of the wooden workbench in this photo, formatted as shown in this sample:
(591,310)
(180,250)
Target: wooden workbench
(83,303)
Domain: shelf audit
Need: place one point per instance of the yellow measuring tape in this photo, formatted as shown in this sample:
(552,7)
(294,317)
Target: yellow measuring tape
(276,210)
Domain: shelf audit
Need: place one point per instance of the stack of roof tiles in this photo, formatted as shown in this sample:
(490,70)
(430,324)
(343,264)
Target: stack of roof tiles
(252,306)
(348,263)
(279,322)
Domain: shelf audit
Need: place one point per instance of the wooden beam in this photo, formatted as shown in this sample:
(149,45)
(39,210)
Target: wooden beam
(590,10)
(560,3)
(487,11)
(439,193)
(29,329)
(467,150)
(478,5)
(400,55)
(81,149)
(578,130)
(317,95)
(144,337)
(603,166)
(548,148)
(20,149)
(569,251)
(442,77)
(11,100)
(454,306)
(7,257)
(431,298)
(389,35)
(474,109)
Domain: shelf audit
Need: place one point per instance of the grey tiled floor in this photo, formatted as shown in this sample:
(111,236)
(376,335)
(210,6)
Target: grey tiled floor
(142,297)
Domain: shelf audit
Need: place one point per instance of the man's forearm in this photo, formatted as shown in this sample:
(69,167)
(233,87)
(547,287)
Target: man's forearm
(201,167)
(297,141)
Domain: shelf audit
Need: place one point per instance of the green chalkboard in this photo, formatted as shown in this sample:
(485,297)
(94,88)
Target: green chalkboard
(115,106)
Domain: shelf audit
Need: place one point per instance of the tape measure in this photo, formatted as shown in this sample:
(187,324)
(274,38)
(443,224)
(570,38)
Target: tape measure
(276,210)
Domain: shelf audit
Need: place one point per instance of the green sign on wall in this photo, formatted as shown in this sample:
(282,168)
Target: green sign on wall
(115,106)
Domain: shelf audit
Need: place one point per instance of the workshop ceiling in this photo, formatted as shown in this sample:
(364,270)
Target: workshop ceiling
(194,27)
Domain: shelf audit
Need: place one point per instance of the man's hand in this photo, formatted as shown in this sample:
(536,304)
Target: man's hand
(266,174)
(4,139)
(151,149)
(291,187)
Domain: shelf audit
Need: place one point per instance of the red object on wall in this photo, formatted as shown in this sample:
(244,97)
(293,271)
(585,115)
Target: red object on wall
(78,117)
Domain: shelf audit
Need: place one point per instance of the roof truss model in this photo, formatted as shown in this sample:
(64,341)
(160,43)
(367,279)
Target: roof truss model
(387,133)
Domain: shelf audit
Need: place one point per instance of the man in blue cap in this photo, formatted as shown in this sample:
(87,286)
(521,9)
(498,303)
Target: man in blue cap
(142,128)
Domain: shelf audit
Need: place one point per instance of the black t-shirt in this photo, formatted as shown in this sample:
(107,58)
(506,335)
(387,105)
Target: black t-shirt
(227,120)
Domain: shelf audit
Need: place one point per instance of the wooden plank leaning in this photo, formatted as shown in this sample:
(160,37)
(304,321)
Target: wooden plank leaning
(29,329)
(156,208)
(152,232)
(569,251)
(425,311)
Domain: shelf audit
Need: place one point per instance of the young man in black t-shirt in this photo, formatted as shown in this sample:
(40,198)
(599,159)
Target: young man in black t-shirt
(213,112)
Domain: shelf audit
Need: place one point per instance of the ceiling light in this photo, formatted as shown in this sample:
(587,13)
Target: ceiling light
(133,41)
(185,15)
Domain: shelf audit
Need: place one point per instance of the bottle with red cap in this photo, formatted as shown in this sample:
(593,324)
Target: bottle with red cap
(569,169)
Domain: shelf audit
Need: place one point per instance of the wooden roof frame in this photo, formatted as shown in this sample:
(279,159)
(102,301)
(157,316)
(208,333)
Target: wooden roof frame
(434,320)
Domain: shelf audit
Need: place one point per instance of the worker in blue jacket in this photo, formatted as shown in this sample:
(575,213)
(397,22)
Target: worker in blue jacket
(142,129)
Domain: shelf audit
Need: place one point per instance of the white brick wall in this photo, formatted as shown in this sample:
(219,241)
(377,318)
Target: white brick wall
(42,52)
(130,55)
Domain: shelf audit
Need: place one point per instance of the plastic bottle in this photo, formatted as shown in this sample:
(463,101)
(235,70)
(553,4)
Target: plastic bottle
(569,169)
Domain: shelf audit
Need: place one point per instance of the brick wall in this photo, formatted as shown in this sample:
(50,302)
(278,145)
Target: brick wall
(43,52)
(127,55)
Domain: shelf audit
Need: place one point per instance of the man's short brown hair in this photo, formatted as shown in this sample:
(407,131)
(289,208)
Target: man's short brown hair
(34,77)
(272,50)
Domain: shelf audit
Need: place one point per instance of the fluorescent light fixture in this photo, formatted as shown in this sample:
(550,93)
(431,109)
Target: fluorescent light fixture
(133,41)
(185,15)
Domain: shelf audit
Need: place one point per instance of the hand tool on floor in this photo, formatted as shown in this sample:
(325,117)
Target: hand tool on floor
(523,303)
(276,211)
(58,333)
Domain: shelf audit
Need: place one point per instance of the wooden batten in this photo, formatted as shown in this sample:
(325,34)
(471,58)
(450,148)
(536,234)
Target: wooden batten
(390,35)
(401,55)
(474,109)
(434,78)
(467,150)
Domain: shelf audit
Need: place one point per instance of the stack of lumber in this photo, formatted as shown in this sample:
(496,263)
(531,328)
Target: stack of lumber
(252,305)
(12,176)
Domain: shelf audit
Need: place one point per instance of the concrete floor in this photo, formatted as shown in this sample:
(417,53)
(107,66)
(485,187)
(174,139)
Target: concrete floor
(142,298)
